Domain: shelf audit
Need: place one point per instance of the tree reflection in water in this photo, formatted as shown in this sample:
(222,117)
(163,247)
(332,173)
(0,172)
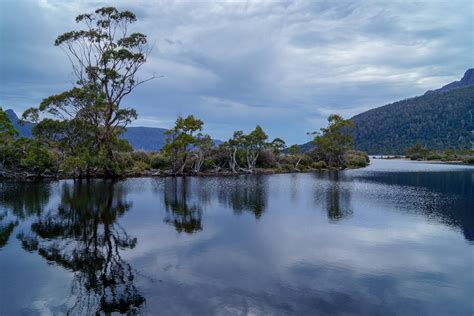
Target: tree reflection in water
(20,201)
(184,217)
(337,195)
(84,237)
(246,193)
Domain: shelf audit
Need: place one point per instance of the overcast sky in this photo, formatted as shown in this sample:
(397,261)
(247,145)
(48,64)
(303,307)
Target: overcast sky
(284,65)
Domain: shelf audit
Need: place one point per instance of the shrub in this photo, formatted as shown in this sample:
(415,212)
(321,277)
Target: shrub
(159,161)
(433,156)
(142,156)
(356,159)
(208,164)
(319,165)
(140,166)
(266,158)
(287,167)
(416,157)
(469,160)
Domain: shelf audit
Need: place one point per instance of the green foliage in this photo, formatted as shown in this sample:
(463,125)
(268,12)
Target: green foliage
(469,160)
(253,143)
(278,145)
(334,141)
(180,140)
(7,136)
(294,149)
(319,165)
(35,157)
(159,161)
(356,159)
(418,152)
(6,127)
(105,60)
(437,121)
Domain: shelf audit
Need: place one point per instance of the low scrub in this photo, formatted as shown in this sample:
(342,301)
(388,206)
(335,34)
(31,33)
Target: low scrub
(356,159)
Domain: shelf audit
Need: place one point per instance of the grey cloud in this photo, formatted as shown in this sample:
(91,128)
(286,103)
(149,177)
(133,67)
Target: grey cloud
(284,65)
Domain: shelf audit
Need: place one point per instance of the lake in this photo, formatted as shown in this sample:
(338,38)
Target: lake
(394,238)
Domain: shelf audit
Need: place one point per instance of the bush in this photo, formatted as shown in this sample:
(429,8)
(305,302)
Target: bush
(416,157)
(267,159)
(319,165)
(219,157)
(142,156)
(356,159)
(287,167)
(159,161)
(208,164)
(434,156)
(140,166)
(468,160)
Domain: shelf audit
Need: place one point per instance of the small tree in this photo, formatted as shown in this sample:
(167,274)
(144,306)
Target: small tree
(294,151)
(417,152)
(180,141)
(105,60)
(7,135)
(254,143)
(334,141)
(203,146)
(277,145)
(233,146)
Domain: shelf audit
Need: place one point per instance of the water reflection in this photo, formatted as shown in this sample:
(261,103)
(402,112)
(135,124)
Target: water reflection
(338,199)
(83,236)
(24,199)
(19,201)
(380,241)
(245,194)
(334,190)
(6,228)
(456,209)
(183,215)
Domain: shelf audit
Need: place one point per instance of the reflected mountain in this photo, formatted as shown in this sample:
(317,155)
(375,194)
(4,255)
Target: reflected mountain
(458,187)
(84,237)
(180,213)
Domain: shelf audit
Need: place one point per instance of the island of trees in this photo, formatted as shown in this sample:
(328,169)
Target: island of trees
(80,136)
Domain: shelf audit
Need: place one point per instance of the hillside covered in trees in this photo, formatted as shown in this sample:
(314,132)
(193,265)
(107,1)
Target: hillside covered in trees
(441,119)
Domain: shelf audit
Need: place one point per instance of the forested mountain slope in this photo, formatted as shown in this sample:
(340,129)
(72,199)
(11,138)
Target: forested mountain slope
(435,120)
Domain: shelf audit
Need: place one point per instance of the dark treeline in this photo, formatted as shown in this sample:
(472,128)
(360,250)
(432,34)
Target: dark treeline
(435,120)
(81,135)
(418,152)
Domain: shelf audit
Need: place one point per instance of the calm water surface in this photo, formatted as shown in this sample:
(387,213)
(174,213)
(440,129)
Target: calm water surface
(394,238)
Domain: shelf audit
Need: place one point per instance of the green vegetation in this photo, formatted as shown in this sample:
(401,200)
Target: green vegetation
(438,121)
(89,118)
(57,152)
(418,152)
(81,135)
(333,142)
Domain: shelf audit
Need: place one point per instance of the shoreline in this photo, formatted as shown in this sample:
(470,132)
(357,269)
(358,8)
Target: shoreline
(156,173)
(446,162)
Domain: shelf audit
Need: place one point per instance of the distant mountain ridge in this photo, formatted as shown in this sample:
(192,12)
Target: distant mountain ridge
(24,129)
(439,119)
(141,138)
(466,80)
